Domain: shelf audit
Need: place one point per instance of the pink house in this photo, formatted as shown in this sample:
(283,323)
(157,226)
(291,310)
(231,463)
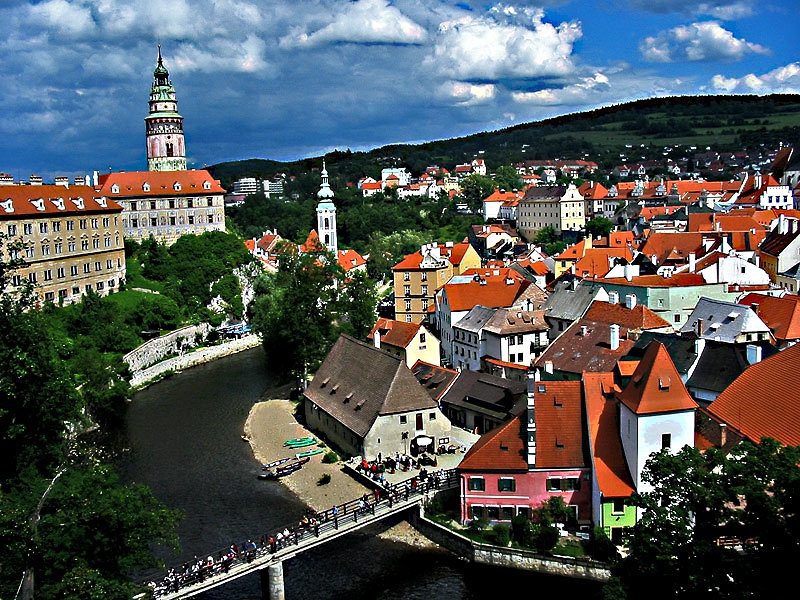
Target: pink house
(539,454)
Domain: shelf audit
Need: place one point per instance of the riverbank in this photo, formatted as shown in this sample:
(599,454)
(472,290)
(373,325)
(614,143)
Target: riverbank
(272,422)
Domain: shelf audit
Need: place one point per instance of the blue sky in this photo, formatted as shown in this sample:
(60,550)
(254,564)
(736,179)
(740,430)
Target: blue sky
(286,79)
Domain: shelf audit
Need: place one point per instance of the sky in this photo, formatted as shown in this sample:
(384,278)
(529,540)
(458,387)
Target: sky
(289,79)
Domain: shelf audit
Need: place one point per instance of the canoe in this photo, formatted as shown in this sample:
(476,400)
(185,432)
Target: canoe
(283,470)
(275,463)
(302,440)
(309,452)
(302,444)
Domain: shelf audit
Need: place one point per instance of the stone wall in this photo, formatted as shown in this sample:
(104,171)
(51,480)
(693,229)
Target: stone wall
(580,568)
(202,355)
(156,350)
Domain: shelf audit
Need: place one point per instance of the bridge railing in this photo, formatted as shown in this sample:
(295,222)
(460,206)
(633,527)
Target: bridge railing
(313,525)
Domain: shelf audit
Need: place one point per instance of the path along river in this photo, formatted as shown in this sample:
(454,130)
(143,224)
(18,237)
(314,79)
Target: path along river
(183,440)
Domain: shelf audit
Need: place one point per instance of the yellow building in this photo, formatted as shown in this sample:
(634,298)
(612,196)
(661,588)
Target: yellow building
(560,206)
(71,239)
(419,275)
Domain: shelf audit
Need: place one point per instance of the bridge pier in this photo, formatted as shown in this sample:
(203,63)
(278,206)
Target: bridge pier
(272,582)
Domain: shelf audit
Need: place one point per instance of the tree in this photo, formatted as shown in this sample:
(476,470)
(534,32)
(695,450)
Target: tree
(474,189)
(294,310)
(549,240)
(507,178)
(751,495)
(599,227)
(358,301)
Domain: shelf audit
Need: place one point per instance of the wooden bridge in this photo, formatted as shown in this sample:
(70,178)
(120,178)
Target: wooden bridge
(193,578)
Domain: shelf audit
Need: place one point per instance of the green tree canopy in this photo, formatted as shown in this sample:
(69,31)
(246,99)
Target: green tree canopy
(549,240)
(475,188)
(599,227)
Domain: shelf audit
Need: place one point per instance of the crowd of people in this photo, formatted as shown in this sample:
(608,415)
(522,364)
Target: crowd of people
(200,569)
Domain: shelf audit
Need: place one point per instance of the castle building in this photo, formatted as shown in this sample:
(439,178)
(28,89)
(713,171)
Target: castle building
(166,201)
(69,237)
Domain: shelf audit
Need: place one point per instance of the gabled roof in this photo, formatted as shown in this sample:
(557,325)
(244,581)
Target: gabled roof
(585,346)
(777,242)
(394,333)
(435,379)
(639,317)
(569,301)
(763,401)
(682,350)
(719,365)
(597,262)
(341,389)
(673,246)
(782,315)
(501,450)
(655,386)
(350,259)
(495,292)
(610,467)
(507,321)
(722,321)
(476,319)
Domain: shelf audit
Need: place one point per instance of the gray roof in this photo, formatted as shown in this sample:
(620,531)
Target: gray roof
(488,394)
(568,303)
(545,192)
(682,350)
(358,382)
(515,320)
(475,319)
(723,321)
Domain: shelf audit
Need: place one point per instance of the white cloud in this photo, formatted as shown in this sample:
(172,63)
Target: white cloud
(466,94)
(62,17)
(361,22)
(702,41)
(782,79)
(506,43)
(224,55)
(585,90)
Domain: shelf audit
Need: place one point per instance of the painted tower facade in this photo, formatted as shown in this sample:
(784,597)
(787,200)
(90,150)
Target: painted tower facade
(166,150)
(326,215)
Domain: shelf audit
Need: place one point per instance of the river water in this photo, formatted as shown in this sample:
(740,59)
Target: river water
(183,440)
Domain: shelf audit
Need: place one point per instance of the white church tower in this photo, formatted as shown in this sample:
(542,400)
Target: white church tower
(326,215)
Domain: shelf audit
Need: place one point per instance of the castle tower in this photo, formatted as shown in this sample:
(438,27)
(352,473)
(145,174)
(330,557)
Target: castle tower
(166,150)
(326,215)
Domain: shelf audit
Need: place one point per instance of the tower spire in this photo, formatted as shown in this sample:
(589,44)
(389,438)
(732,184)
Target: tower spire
(326,214)
(166,149)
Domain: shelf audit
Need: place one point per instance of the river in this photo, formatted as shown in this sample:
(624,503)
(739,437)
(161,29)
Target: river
(183,440)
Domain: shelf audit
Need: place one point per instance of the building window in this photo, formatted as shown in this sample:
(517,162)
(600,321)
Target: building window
(432,416)
(84,244)
(59,247)
(408,304)
(507,513)
(43,227)
(618,506)
(477,512)
(424,276)
(12,230)
(406,276)
(403,419)
(27,228)
(424,305)
(506,484)
(421,338)
(70,225)
(48,274)
(476,484)
(82,223)
(493,513)
(563,484)
(49,296)
(73,270)
(406,290)
(408,318)
(60,272)
(666,441)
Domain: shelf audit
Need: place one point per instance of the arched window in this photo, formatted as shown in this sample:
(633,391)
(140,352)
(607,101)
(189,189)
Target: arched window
(327,223)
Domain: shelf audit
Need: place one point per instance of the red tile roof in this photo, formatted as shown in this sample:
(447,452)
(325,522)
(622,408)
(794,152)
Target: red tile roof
(501,449)
(763,401)
(672,246)
(53,199)
(610,467)
(782,315)
(638,317)
(595,261)
(350,259)
(495,293)
(656,385)
(559,424)
(162,183)
(394,333)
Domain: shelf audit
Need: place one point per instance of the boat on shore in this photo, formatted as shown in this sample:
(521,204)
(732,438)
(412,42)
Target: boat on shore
(309,452)
(275,463)
(285,469)
(304,441)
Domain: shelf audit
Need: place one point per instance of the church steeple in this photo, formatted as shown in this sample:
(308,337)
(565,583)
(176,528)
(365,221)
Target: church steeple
(166,148)
(326,214)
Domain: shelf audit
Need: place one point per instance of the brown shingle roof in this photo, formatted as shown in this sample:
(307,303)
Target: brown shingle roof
(358,382)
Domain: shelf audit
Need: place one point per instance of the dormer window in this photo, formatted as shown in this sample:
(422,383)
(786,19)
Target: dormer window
(146,187)
(58,203)
(101,201)
(38,203)
(7,205)
(115,189)
(176,186)
(206,185)
(78,202)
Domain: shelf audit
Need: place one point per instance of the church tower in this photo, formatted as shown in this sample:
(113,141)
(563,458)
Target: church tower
(166,150)
(326,215)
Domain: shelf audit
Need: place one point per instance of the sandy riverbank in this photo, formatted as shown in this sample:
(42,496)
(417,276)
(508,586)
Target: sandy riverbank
(272,422)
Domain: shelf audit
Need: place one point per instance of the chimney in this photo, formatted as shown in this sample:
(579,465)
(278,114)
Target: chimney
(699,326)
(630,301)
(614,337)
(376,338)
(692,262)
(753,354)
(628,274)
(584,330)
(613,297)
(548,366)
(723,434)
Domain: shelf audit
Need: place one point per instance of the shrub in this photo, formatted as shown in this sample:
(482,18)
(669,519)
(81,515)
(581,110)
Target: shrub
(330,457)
(600,547)
(324,480)
(501,534)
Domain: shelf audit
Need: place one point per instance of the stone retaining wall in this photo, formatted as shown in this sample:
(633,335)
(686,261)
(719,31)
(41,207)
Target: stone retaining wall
(156,350)
(202,355)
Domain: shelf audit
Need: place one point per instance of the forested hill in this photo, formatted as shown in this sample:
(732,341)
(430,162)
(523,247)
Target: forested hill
(722,123)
